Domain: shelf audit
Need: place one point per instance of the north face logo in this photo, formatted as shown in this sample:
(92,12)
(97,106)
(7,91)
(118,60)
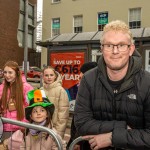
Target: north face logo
(132,96)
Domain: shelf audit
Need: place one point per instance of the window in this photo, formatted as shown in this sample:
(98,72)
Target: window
(135,18)
(96,54)
(147,60)
(102,20)
(55,26)
(55,1)
(31,27)
(78,24)
(20,34)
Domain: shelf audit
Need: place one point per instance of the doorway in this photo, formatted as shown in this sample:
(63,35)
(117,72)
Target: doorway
(147,60)
(96,55)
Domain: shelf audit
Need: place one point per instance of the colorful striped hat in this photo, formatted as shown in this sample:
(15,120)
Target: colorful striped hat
(38,98)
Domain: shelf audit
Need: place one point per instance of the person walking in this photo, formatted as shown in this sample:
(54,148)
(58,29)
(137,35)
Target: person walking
(112,109)
(52,85)
(13,92)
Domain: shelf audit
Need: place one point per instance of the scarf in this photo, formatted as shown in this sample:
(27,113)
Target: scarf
(36,132)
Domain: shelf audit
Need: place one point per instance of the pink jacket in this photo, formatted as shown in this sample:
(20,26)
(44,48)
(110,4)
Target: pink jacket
(13,115)
(38,142)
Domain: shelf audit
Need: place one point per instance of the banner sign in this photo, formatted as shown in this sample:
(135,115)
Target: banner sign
(68,65)
(103,18)
(56,23)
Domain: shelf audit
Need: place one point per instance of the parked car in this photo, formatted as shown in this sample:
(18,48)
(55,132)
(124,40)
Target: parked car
(1,76)
(33,74)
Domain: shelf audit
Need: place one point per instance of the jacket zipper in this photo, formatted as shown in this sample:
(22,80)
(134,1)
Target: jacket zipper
(114,105)
(115,92)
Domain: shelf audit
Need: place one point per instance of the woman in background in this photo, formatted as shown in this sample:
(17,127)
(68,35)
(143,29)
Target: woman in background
(52,85)
(13,92)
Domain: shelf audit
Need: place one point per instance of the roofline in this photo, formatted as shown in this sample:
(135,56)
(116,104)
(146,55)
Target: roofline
(52,43)
(140,34)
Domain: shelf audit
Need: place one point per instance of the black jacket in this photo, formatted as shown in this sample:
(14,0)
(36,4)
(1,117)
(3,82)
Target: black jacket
(98,111)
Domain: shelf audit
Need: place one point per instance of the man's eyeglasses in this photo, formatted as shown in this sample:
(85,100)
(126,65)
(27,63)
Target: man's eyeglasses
(120,47)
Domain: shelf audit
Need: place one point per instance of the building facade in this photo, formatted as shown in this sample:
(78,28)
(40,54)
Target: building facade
(63,16)
(72,30)
(80,16)
(12,30)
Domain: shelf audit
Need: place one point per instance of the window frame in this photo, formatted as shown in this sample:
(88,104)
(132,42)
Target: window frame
(56,1)
(31,26)
(55,31)
(78,24)
(134,18)
(100,26)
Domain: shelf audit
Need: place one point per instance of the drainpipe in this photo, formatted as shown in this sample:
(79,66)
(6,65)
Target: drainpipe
(26,39)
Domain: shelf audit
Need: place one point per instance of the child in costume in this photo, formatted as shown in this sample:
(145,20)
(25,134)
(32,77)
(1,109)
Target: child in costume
(39,112)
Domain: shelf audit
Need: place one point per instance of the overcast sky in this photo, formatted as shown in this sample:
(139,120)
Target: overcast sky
(39,5)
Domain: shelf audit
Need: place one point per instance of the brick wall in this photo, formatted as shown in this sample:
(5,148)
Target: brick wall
(9,15)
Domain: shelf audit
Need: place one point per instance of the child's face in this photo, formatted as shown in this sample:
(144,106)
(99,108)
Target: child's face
(9,74)
(39,114)
(49,76)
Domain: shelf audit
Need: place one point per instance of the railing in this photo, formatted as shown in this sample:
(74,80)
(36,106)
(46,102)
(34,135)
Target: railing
(36,127)
(75,142)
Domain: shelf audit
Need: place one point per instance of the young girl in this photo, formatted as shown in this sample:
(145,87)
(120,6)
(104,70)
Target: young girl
(13,93)
(39,112)
(52,85)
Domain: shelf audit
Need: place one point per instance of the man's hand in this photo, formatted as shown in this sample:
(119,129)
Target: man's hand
(99,141)
(76,147)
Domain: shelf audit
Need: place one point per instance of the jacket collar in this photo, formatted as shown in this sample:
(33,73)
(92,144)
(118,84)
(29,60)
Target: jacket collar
(135,64)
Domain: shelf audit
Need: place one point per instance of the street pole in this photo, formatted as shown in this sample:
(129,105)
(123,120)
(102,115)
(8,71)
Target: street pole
(26,39)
